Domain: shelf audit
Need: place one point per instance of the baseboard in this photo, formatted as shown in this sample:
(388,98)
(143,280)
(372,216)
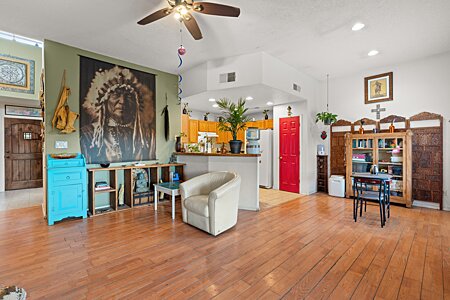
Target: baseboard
(425,204)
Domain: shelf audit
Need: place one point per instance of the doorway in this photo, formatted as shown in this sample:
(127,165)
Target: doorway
(290,154)
(23,154)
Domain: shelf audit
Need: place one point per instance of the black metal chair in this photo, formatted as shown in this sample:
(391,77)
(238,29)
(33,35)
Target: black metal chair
(362,193)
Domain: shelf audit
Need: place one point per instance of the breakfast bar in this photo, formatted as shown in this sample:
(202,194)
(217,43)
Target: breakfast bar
(246,165)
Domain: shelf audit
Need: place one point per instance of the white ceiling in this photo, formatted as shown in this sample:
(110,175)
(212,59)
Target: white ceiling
(312,35)
(260,93)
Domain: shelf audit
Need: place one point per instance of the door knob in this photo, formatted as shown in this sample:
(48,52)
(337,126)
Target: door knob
(281,157)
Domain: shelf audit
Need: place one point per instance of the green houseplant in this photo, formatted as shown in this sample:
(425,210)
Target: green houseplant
(326,117)
(233,120)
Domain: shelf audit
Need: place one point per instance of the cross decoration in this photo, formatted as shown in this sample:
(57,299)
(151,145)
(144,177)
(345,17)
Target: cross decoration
(378,110)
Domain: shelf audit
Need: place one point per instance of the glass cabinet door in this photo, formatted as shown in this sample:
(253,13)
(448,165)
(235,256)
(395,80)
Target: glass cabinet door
(390,161)
(362,155)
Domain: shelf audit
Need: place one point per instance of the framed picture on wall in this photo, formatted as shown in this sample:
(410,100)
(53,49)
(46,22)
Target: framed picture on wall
(117,113)
(23,111)
(378,88)
(16,74)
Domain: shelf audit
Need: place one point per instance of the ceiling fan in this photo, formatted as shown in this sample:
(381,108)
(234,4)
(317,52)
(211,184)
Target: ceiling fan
(183,10)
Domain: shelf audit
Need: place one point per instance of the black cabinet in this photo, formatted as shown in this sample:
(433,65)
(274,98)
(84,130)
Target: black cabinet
(322,173)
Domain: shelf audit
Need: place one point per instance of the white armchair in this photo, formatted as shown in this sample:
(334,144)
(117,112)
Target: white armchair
(210,201)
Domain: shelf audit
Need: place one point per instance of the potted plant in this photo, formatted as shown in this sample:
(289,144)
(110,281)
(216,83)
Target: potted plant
(233,120)
(265,113)
(205,116)
(326,117)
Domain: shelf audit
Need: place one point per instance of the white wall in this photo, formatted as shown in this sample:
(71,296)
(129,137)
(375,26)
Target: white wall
(421,85)
(248,70)
(194,80)
(280,75)
(198,115)
(3,102)
(259,115)
(309,139)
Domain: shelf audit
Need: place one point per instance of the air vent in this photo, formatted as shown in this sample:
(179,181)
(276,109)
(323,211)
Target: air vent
(227,77)
(296,87)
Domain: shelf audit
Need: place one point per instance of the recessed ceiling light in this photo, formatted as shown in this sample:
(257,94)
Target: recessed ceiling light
(269,103)
(249,98)
(373,52)
(212,100)
(215,105)
(358,26)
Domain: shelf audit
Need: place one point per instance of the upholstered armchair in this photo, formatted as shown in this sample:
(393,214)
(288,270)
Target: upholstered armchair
(210,201)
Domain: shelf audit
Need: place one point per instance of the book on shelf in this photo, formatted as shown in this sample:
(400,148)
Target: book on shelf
(102,185)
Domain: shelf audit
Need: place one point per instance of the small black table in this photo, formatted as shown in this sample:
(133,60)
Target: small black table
(382,195)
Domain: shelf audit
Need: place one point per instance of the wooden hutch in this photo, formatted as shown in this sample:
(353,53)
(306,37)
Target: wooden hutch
(391,152)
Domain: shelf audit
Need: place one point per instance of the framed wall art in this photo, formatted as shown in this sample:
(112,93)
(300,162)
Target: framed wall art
(378,88)
(23,111)
(117,113)
(16,74)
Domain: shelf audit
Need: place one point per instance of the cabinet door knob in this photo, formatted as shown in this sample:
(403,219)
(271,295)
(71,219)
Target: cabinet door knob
(68,177)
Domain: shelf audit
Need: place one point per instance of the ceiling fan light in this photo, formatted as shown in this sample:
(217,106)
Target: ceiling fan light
(177,15)
(182,10)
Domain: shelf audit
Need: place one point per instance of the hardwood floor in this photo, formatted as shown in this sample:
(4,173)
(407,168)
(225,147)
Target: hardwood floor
(270,197)
(306,248)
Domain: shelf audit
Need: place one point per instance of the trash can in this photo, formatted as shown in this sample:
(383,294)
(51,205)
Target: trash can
(336,186)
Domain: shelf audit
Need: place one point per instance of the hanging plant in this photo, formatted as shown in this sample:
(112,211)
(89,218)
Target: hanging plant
(326,117)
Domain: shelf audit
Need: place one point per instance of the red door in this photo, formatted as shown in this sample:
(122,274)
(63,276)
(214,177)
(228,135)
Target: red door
(290,154)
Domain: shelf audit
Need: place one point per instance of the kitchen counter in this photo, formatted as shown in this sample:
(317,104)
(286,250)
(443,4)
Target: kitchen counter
(218,154)
(246,165)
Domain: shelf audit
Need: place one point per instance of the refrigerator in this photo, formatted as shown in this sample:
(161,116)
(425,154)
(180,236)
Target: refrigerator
(266,158)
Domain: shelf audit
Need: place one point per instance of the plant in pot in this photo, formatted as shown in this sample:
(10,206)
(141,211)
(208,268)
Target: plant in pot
(234,119)
(326,117)
(266,114)
(205,116)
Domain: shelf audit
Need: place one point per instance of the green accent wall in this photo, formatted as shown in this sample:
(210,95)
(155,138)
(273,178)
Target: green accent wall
(58,57)
(24,51)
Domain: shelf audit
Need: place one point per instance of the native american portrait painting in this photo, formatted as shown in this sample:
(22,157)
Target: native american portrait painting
(117,113)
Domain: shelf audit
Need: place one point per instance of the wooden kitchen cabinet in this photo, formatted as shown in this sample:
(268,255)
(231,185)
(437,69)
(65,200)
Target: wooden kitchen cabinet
(212,126)
(185,128)
(202,126)
(268,124)
(193,131)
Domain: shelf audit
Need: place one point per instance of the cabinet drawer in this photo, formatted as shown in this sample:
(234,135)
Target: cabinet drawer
(64,163)
(66,177)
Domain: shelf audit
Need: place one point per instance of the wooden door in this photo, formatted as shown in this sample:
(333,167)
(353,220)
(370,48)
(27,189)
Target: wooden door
(23,154)
(290,154)
(193,131)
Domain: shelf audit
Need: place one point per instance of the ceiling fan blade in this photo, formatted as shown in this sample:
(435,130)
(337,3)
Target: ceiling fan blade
(155,16)
(216,9)
(192,26)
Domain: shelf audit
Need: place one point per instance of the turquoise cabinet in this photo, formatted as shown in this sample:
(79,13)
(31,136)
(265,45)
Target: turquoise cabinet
(66,188)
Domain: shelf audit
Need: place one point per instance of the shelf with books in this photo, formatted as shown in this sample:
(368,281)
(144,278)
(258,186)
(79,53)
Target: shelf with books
(119,188)
(391,152)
